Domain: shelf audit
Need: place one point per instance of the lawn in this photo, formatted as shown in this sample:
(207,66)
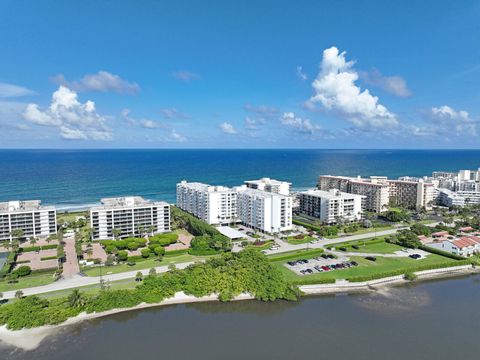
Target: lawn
(294,241)
(92,289)
(370,230)
(69,216)
(367,270)
(32,280)
(141,264)
(370,246)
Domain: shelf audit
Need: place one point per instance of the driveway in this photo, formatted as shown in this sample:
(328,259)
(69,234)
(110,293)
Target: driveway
(70,266)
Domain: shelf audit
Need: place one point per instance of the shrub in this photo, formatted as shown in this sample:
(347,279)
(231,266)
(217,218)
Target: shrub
(410,276)
(110,249)
(132,245)
(159,251)
(23,271)
(145,252)
(122,255)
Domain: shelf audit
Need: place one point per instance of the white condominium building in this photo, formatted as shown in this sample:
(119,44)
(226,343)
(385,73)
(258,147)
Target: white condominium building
(265,211)
(29,216)
(329,206)
(458,198)
(270,185)
(213,204)
(130,216)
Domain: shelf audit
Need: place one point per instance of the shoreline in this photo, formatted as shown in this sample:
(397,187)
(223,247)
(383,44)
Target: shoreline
(30,339)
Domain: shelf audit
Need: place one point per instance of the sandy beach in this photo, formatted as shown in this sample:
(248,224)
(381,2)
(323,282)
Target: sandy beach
(29,339)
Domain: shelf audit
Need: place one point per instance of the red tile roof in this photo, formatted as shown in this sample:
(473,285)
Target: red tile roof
(464,242)
(440,233)
(466,228)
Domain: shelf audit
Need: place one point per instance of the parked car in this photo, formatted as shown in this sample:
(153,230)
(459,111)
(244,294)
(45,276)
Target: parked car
(371,258)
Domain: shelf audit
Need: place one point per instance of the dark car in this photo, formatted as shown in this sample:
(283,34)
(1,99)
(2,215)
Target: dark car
(371,258)
(355,247)
(415,256)
(354,263)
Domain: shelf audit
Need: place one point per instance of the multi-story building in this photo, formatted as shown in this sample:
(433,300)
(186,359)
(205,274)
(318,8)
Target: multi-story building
(381,192)
(329,206)
(265,211)
(33,219)
(375,190)
(213,204)
(129,216)
(270,185)
(458,198)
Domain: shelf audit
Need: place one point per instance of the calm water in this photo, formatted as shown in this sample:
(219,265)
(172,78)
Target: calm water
(436,320)
(70,178)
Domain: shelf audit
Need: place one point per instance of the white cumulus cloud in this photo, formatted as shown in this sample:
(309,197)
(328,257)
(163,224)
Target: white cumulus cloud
(75,120)
(103,81)
(335,89)
(227,128)
(298,124)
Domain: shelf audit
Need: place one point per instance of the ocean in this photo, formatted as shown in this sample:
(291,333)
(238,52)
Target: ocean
(72,179)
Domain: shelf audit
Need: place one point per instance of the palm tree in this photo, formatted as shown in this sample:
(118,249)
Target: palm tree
(76,299)
(141,230)
(139,276)
(89,252)
(33,241)
(16,234)
(116,233)
(151,229)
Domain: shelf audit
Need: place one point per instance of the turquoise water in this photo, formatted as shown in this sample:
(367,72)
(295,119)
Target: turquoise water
(75,178)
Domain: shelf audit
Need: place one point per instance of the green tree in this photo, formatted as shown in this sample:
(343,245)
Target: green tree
(76,299)
(19,294)
(139,276)
(17,234)
(117,233)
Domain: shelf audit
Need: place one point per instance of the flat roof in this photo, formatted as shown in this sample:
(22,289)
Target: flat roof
(204,187)
(22,206)
(331,194)
(127,202)
(230,232)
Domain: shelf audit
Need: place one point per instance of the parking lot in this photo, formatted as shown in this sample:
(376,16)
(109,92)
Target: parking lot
(323,263)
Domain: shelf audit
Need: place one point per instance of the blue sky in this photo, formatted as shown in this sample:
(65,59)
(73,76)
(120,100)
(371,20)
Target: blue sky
(231,74)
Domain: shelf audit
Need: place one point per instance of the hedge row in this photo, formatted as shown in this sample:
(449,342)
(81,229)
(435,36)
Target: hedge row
(419,267)
(48,258)
(304,224)
(202,252)
(359,243)
(305,280)
(38,248)
(441,252)
(295,255)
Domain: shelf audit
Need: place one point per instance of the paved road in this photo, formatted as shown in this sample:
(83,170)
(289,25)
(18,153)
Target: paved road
(285,246)
(78,281)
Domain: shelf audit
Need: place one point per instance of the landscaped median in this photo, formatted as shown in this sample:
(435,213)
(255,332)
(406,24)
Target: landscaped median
(299,239)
